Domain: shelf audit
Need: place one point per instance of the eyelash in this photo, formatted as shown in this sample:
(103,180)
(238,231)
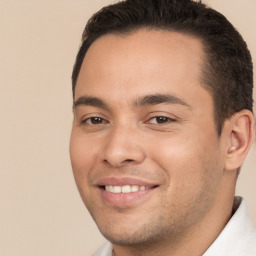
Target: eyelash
(90,120)
(165,120)
(160,120)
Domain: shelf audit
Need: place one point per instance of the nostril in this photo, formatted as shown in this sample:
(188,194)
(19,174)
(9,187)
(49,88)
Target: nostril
(119,164)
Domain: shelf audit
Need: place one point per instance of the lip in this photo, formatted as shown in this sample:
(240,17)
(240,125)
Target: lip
(125,200)
(122,181)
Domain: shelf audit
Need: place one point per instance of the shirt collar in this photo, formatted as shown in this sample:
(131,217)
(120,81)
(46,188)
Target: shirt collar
(239,235)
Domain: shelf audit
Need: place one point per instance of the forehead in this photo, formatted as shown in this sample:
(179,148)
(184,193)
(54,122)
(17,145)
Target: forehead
(154,60)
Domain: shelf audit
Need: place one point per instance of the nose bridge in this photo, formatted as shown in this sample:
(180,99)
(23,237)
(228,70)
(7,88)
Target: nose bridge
(123,146)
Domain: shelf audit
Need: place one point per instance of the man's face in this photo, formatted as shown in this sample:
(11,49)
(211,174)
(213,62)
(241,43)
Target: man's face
(144,125)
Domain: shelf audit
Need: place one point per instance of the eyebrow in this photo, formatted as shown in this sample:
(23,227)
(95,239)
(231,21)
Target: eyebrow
(89,101)
(155,99)
(148,100)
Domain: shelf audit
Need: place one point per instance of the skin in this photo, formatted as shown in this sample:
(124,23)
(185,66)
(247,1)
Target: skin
(181,154)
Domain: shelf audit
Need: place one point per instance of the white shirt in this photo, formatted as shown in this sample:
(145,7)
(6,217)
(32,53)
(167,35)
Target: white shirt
(238,238)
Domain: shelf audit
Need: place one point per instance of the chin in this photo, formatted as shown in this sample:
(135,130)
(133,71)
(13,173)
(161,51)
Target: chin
(127,239)
(136,233)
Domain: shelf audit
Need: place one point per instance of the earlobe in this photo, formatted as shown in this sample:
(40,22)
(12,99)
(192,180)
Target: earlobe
(241,134)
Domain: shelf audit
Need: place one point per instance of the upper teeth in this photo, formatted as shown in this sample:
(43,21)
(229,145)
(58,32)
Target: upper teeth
(124,189)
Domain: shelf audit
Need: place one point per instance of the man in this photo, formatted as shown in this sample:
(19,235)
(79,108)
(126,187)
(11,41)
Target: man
(162,124)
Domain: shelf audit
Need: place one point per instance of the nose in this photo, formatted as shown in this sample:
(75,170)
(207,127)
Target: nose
(123,148)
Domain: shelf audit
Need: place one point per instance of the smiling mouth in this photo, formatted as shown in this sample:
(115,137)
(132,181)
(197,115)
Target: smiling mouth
(125,188)
(123,195)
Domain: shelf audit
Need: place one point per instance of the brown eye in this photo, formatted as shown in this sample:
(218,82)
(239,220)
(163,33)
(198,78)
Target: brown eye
(95,120)
(94,124)
(161,120)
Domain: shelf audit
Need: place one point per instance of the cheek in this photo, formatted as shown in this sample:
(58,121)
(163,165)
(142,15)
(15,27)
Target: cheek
(184,159)
(83,155)
(174,151)
(192,172)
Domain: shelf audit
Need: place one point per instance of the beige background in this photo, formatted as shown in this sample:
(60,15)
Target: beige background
(41,213)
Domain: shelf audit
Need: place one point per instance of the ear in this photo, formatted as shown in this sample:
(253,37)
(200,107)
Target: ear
(240,134)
